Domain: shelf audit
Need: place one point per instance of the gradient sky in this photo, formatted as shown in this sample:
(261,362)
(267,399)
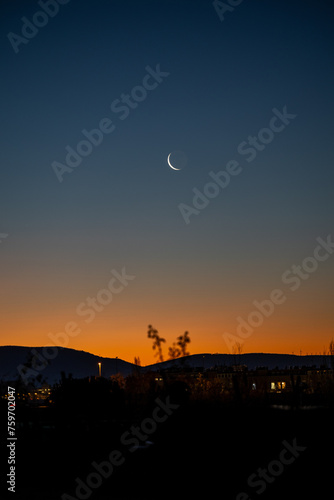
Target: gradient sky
(119,207)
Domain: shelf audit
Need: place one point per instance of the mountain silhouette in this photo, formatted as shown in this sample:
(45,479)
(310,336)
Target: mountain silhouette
(79,363)
(84,364)
(251,360)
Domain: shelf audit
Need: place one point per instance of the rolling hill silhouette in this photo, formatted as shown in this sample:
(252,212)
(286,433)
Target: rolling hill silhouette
(84,364)
(79,363)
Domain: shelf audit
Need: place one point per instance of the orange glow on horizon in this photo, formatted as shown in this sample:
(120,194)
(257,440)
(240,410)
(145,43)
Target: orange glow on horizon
(131,344)
(304,322)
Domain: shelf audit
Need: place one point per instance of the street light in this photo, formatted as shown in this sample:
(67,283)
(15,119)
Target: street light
(99,364)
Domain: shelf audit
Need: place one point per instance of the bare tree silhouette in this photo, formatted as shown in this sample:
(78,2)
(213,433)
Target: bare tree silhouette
(157,341)
(182,342)
(137,361)
(237,349)
(174,351)
(179,348)
(331,352)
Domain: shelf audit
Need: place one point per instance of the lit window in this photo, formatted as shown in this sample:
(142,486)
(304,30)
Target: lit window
(272,386)
(283,385)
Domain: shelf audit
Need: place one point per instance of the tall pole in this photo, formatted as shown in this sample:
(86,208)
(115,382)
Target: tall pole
(99,369)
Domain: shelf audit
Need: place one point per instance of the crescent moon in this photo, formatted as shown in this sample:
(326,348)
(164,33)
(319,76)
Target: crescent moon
(169,163)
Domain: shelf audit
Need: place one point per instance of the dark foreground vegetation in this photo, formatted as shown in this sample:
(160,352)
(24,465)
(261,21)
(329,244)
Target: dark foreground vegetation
(172,438)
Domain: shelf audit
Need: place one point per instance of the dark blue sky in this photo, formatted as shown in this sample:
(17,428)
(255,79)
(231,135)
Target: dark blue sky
(119,207)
